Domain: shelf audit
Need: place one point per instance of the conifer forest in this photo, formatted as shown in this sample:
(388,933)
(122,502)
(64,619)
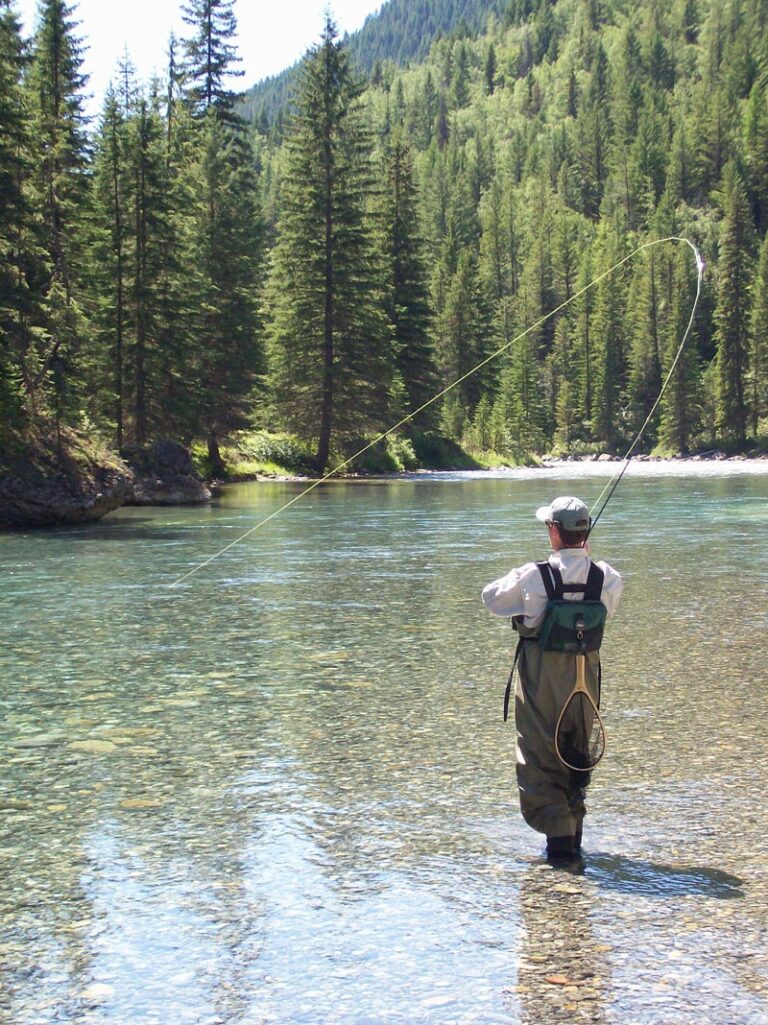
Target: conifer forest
(198,261)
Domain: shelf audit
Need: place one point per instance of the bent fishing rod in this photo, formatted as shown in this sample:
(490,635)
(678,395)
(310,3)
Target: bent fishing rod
(488,359)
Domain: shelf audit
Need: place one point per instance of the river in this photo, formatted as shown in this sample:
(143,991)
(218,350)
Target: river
(282,791)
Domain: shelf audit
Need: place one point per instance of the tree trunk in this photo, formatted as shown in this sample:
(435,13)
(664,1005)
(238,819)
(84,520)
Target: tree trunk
(215,462)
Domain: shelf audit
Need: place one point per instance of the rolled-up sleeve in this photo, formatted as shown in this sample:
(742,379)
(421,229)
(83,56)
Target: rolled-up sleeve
(505,596)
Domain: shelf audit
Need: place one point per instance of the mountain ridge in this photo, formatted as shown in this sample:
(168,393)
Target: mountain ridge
(400,31)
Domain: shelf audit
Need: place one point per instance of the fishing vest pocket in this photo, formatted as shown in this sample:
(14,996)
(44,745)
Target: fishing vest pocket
(573,626)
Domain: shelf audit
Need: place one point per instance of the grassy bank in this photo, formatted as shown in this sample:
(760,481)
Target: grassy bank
(251,455)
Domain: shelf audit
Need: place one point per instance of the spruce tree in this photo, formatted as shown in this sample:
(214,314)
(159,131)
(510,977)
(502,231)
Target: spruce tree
(20,255)
(59,184)
(211,54)
(565,370)
(758,362)
(680,406)
(331,349)
(228,251)
(595,135)
(733,310)
(609,330)
(408,295)
(151,228)
(756,152)
(461,334)
(227,231)
(111,222)
(647,301)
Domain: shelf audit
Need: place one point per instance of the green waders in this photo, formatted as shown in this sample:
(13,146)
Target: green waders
(551,796)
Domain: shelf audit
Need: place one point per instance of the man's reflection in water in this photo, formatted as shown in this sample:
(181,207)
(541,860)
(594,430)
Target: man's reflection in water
(562,970)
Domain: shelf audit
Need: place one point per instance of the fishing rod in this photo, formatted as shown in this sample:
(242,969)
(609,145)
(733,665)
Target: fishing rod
(614,482)
(444,391)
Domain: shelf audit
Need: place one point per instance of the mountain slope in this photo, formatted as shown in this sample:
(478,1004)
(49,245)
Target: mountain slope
(401,31)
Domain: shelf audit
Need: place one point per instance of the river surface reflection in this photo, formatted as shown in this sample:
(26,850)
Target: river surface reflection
(282,792)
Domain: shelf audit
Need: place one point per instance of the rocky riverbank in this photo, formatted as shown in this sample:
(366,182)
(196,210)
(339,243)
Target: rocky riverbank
(62,481)
(163,474)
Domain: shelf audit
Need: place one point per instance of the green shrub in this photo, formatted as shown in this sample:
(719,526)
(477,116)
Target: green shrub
(436,452)
(282,450)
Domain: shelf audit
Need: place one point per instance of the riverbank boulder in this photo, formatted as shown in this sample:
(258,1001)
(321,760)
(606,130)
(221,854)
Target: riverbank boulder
(55,481)
(163,474)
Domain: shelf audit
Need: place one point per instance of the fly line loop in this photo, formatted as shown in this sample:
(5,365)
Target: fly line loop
(484,362)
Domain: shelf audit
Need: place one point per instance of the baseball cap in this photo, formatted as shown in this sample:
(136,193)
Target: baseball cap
(570,513)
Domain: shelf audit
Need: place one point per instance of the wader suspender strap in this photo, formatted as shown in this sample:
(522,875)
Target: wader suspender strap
(555,588)
(508,691)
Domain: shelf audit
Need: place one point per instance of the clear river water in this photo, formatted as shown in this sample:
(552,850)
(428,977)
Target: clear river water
(282,792)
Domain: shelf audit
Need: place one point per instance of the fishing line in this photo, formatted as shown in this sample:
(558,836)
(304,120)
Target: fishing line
(613,483)
(460,380)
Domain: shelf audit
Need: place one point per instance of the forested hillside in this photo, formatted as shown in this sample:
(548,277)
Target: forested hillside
(401,31)
(177,273)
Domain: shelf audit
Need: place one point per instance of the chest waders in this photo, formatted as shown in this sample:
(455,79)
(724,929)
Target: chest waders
(552,792)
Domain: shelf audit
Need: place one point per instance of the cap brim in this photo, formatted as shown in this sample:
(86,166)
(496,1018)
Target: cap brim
(544,513)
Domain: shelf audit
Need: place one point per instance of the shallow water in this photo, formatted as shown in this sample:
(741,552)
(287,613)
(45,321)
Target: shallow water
(282,792)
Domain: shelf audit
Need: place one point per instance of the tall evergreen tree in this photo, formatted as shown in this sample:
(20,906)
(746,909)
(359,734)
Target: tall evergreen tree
(756,152)
(680,406)
(758,362)
(228,250)
(55,89)
(609,331)
(111,222)
(408,295)
(461,334)
(733,309)
(211,54)
(228,236)
(331,352)
(20,255)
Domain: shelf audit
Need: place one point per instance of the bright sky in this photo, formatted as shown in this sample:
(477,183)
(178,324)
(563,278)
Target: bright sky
(270,37)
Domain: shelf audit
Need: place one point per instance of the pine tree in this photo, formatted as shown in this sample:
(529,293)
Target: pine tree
(20,255)
(490,70)
(59,184)
(756,152)
(408,297)
(733,309)
(609,330)
(111,221)
(595,135)
(151,229)
(210,55)
(227,243)
(565,371)
(680,406)
(461,333)
(758,363)
(331,351)
(520,391)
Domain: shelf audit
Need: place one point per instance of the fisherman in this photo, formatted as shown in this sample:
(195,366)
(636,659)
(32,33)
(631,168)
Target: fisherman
(551,795)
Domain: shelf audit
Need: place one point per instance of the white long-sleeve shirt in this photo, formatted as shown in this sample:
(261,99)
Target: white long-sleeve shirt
(522,593)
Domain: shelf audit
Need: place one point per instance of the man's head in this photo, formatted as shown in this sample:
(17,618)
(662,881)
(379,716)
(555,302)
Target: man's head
(567,520)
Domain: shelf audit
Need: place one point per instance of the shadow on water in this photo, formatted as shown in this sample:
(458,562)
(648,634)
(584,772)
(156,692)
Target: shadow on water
(630,875)
(133,529)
